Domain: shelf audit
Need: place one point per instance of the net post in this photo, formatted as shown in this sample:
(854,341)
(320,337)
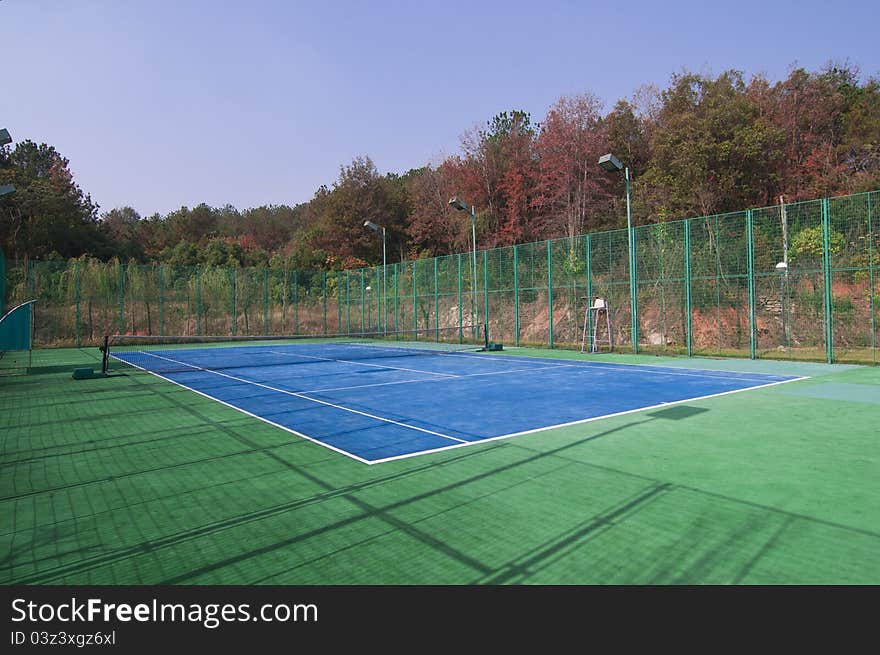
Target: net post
(105,355)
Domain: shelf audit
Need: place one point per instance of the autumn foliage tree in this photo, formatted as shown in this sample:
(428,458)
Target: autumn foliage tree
(705,144)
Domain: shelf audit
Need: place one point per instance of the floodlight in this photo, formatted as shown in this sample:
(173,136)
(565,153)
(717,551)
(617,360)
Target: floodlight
(610,163)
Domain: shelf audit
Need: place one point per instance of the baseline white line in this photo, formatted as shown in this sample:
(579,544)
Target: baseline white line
(244,411)
(586,420)
(314,400)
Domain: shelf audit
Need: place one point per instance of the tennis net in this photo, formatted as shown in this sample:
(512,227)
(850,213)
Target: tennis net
(177,354)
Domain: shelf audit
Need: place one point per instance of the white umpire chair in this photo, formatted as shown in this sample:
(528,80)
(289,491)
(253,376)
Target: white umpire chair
(599,309)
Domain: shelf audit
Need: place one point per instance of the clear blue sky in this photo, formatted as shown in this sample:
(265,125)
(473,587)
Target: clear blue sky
(163,103)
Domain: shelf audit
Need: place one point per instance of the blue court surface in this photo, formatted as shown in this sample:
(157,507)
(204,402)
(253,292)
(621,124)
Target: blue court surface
(381,404)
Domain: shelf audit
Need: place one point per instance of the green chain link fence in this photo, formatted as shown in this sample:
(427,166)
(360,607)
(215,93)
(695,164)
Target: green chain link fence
(798,281)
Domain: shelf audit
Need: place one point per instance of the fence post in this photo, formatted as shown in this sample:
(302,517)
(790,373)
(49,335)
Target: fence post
(396,299)
(121,271)
(634,290)
(751,264)
(550,291)
(460,312)
(515,295)
(486,289)
(363,307)
(436,299)
(871,285)
(689,323)
(234,306)
(589,271)
(324,301)
(199,301)
(415,285)
(296,302)
(78,290)
(265,301)
(161,300)
(826,267)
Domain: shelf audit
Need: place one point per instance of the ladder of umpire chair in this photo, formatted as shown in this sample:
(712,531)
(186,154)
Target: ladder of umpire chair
(600,307)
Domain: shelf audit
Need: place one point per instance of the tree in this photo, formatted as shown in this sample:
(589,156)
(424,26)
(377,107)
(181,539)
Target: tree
(48,212)
(569,183)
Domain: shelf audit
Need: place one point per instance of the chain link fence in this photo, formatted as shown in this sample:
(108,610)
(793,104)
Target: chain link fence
(797,281)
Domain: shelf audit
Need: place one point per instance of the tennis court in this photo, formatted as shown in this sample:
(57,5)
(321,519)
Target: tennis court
(135,479)
(377,402)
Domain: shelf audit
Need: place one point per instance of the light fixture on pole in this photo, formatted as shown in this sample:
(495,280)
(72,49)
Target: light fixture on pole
(458,204)
(612,164)
(371,225)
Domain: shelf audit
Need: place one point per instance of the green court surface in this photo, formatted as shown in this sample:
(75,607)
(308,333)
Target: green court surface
(133,480)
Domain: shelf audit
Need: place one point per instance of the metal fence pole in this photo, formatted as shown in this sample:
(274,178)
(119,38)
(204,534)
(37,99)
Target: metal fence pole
(486,289)
(78,291)
(515,295)
(161,300)
(460,312)
(296,302)
(550,292)
(689,321)
(751,267)
(589,272)
(121,275)
(436,299)
(415,321)
(826,267)
(265,301)
(871,285)
(234,310)
(199,301)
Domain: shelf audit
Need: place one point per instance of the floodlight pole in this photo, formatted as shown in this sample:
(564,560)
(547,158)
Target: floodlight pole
(633,279)
(611,164)
(458,204)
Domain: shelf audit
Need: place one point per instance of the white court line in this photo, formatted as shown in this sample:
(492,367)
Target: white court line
(585,420)
(457,377)
(461,442)
(644,368)
(360,363)
(299,395)
(244,411)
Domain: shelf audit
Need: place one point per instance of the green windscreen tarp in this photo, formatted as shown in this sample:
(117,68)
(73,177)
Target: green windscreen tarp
(16,328)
